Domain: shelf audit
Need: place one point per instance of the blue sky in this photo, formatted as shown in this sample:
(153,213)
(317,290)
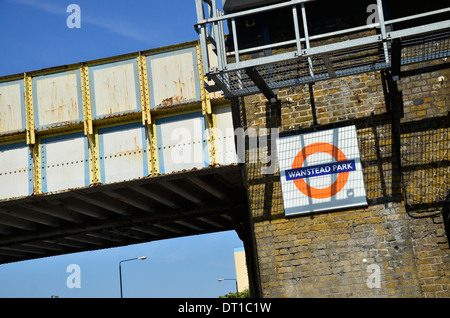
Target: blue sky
(34,35)
(182,267)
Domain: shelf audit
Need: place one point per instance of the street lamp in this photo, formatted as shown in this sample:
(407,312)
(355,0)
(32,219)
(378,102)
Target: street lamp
(120,270)
(237,292)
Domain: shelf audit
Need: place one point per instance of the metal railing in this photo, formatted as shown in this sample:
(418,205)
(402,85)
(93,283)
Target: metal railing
(306,62)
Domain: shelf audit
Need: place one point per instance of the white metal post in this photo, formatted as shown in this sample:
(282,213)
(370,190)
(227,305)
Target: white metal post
(383,30)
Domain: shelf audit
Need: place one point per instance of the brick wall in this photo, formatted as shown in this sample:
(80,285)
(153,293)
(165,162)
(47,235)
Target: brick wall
(404,140)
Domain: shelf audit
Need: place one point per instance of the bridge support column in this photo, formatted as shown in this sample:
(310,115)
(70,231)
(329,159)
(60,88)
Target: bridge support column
(90,133)
(32,141)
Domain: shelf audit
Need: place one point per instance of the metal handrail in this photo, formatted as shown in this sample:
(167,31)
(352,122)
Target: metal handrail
(251,11)
(341,32)
(217,17)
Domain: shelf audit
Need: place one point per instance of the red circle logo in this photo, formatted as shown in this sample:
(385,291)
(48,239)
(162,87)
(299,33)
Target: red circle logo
(337,185)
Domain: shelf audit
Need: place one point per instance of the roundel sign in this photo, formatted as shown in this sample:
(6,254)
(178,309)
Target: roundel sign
(321,171)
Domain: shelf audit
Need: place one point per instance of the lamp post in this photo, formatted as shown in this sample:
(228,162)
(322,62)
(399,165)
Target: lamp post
(237,292)
(120,270)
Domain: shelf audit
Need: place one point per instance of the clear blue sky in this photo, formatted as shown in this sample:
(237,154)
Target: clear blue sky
(34,35)
(182,267)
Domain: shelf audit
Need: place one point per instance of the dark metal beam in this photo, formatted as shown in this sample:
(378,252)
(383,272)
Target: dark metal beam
(151,230)
(208,187)
(192,224)
(159,197)
(108,237)
(48,208)
(17,222)
(328,65)
(261,84)
(122,222)
(32,216)
(45,245)
(102,203)
(129,199)
(68,243)
(170,227)
(86,239)
(8,252)
(396,59)
(25,249)
(182,191)
(222,86)
(5,230)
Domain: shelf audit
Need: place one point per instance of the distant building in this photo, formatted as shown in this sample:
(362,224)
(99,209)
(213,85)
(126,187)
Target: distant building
(241,268)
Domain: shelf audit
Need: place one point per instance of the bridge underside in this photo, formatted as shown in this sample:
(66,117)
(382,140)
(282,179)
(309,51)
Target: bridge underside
(173,205)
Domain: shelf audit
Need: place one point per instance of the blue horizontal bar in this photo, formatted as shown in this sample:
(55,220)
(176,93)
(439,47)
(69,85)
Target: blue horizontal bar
(320,170)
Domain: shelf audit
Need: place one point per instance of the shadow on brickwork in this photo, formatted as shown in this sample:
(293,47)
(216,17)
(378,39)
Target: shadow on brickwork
(273,120)
(403,161)
(446,215)
(425,165)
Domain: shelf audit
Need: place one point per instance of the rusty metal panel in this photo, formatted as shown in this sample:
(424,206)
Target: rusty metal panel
(182,142)
(65,162)
(123,152)
(57,99)
(16,171)
(173,77)
(226,149)
(114,88)
(12,106)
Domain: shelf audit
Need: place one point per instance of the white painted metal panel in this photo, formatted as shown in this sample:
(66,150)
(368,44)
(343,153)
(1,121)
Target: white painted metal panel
(182,143)
(65,161)
(321,171)
(226,149)
(114,88)
(173,77)
(15,171)
(123,153)
(12,107)
(57,98)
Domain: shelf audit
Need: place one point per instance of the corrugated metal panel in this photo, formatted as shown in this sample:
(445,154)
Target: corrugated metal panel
(114,88)
(65,162)
(57,99)
(226,149)
(123,153)
(182,142)
(12,106)
(173,77)
(16,176)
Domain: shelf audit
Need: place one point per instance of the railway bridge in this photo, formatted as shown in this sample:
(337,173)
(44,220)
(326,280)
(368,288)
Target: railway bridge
(113,152)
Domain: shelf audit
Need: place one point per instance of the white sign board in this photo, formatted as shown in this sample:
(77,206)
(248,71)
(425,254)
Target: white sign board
(321,171)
